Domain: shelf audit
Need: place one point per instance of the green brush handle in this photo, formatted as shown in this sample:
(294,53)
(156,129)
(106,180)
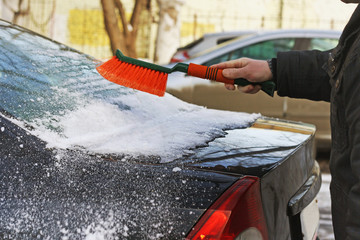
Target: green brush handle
(268,86)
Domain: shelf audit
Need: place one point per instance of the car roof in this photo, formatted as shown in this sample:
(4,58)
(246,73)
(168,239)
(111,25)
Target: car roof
(228,33)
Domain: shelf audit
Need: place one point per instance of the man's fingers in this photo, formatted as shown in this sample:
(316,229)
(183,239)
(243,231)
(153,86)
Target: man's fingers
(256,89)
(230,87)
(233,73)
(237,63)
(250,89)
(245,89)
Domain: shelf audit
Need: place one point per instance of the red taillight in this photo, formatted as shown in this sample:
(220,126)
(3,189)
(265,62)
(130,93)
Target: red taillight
(180,56)
(237,210)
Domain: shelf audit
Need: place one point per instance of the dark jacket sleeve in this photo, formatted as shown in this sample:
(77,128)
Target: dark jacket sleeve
(301,74)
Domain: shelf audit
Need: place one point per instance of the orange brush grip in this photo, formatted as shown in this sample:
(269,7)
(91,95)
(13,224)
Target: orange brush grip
(210,73)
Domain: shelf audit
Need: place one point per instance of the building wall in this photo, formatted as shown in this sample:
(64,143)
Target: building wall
(79,23)
(202,16)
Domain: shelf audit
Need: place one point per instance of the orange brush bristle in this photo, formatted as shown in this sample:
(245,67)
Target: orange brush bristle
(133,76)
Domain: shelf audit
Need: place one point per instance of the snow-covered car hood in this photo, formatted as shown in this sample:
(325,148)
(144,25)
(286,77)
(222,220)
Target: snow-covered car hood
(69,194)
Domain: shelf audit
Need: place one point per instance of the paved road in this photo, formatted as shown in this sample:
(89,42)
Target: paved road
(325,229)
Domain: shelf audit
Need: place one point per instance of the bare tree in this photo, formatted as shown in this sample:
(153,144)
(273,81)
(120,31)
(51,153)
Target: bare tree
(168,36)
(281,13)
(16,9)
(124,39)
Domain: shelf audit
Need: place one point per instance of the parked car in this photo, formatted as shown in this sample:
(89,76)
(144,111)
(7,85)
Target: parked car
(83,158)
(261,45)
(207,41)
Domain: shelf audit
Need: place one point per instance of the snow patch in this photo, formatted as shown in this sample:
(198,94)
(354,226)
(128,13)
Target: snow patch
(150,126)
(176,169)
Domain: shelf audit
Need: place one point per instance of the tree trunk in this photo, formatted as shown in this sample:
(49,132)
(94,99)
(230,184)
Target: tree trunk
(112,27)
(124,40)
(134,24)
(13,10)
(168,36)
(281,14)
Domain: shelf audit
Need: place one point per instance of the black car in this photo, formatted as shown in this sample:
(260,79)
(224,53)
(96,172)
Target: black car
(83,158)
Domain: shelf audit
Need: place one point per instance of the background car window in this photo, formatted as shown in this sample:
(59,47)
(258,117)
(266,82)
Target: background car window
(323,44)
(222,58)
(262,50)
(269,49)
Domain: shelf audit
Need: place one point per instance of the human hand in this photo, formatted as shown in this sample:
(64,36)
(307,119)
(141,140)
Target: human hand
(250,69)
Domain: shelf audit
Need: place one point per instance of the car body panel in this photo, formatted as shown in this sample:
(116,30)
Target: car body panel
(281,165)
(95,191)
(52,192)
(58,194)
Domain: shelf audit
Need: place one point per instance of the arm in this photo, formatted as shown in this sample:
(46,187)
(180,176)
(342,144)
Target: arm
(301,74)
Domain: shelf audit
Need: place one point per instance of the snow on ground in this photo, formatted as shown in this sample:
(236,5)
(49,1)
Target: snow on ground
(325,230)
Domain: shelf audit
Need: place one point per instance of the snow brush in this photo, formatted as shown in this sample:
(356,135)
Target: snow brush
(152,78)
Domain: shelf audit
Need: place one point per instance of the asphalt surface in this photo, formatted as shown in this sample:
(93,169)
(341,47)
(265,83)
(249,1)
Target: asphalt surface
(325,229)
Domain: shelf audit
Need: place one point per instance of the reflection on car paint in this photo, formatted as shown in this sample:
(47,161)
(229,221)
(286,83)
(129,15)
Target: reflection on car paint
(256,150)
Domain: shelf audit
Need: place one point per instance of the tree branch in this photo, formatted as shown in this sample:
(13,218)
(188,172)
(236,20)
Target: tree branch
(135,17)
(122,14)
(112,27)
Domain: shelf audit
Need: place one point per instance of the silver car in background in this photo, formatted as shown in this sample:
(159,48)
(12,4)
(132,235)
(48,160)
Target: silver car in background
(260,45)
(207,41)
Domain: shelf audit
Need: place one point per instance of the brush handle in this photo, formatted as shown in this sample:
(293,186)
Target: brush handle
(215,74)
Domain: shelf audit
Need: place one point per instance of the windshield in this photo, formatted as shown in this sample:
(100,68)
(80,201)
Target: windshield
(57,91)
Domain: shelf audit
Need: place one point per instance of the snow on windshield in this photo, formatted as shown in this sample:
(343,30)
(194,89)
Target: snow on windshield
(178,80)
(58,92)
(164,127)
